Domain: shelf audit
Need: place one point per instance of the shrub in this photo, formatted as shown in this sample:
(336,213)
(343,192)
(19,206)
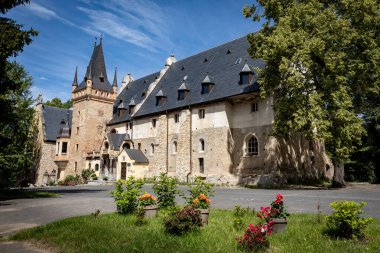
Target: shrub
(166,189)
(278,210)
(147,200)
(255,237)
(199,187)
(126,193)
(239,214)
(87,174)
(140,217)
(183,221)
(71,180)
(94,177)
(345,221)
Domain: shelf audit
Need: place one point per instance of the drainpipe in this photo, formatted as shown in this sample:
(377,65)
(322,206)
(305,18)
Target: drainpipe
(191,144)
(167,142)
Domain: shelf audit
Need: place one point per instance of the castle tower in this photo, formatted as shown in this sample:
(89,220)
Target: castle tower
(93,101)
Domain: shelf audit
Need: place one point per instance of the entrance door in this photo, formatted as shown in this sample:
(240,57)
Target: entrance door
(123,171)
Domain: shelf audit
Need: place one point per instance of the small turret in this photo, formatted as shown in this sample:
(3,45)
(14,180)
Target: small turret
(75,82)
(114,85)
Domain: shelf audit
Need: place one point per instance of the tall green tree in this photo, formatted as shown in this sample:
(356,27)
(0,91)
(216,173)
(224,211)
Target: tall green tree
(323,62)
(57,102)
(16,134)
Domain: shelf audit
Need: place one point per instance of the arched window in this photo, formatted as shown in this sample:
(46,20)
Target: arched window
(174,147)
(152,149)
(201,145)
(126,146)
(252,146)
(96,167)
(106,145)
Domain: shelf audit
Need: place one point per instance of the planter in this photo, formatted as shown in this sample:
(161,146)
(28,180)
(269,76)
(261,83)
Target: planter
(204,215)
(279,225)
(150,211)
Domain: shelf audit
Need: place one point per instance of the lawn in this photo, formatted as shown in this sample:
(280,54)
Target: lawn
(22,194)
(117,233)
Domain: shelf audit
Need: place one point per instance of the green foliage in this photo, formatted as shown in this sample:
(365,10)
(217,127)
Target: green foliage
(166,190)
(239,214)
(199,187)
(140,217)
(87,174)
(183,221)
(126,194)
(346,222)
(17,129)
(56,102)
(323,62)
(71,180)
(18,133)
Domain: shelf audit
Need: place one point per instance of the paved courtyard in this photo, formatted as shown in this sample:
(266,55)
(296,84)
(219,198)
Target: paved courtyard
(82,200)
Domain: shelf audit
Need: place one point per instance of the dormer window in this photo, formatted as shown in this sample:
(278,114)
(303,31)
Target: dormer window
(183,91)
(160,98)
(131,109)
(246,75)
(207,85)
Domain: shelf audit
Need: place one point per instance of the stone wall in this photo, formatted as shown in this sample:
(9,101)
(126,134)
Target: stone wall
(46,162)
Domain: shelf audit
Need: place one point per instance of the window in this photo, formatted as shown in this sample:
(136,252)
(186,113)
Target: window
(113,131)
(252,146)
(64,147)
(181,95)
(75,166)
(244,78)
(202,145)
(123,158)
(201,165)
(254,107)
(152,149)
(160,100)
(205,88)
(106,146)
(130,125)
(77,130)
(201,113)
(154,121)
(174,147)
(176,117)
(139,146)
(126,146)
(76,147)
(131,109)
(96,167)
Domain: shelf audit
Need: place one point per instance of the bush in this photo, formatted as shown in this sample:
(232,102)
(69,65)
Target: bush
(87,173)
(346,222)
(239,214)
(183,221)
(199,187)
(71,180)
(166,189)
(255,237)
(126,193)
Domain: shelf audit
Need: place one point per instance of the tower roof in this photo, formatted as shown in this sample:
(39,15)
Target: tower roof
(96,71)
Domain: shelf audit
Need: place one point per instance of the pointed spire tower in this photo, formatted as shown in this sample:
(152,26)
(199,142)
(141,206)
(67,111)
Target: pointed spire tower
(114,84)
(75,82)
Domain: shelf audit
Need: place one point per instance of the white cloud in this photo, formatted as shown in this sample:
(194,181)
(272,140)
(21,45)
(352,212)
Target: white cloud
(46,13)
(42,78)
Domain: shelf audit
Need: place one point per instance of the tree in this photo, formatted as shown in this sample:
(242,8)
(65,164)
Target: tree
(323,62)
(16,134)
(56,102)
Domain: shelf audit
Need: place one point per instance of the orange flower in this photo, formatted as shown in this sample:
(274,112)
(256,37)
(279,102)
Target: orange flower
(202,196)
(195,201)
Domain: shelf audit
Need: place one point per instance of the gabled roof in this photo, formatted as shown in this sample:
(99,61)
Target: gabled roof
(208,79)
(184,86)
(96,70)
(116,140)
(224,68)
(137,155)
(54,119)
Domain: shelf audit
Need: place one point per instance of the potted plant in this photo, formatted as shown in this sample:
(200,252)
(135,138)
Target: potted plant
(149,204)
(202,203)
(278,214)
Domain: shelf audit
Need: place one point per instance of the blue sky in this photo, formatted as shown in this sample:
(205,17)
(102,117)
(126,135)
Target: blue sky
(138,35)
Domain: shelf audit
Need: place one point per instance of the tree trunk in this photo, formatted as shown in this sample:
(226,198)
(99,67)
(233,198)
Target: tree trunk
(338,180)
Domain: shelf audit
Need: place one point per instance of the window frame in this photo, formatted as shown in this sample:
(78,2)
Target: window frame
(201,113)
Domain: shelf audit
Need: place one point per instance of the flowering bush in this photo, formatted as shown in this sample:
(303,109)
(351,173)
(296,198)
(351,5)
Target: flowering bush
(265,213)
(256,237)
(147,200)
(202,202)
(278,210)
(183,221)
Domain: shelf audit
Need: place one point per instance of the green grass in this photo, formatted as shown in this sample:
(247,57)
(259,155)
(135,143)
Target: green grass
(117,233)
(21,194)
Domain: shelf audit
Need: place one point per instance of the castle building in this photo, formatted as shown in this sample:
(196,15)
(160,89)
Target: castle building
(198,117)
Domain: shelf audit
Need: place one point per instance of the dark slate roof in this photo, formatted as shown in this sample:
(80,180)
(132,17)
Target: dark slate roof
(137,155)
(223,66)
(95,70)
(134,92)
(116,140)
(54,119)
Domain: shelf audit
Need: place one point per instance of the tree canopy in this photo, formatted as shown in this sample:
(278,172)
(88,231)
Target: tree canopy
(323,62)
(56,102)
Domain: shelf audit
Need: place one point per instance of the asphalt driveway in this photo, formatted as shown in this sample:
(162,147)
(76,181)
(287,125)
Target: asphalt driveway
(83,200)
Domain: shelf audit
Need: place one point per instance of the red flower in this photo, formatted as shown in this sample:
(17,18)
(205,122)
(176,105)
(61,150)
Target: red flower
(279,196)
